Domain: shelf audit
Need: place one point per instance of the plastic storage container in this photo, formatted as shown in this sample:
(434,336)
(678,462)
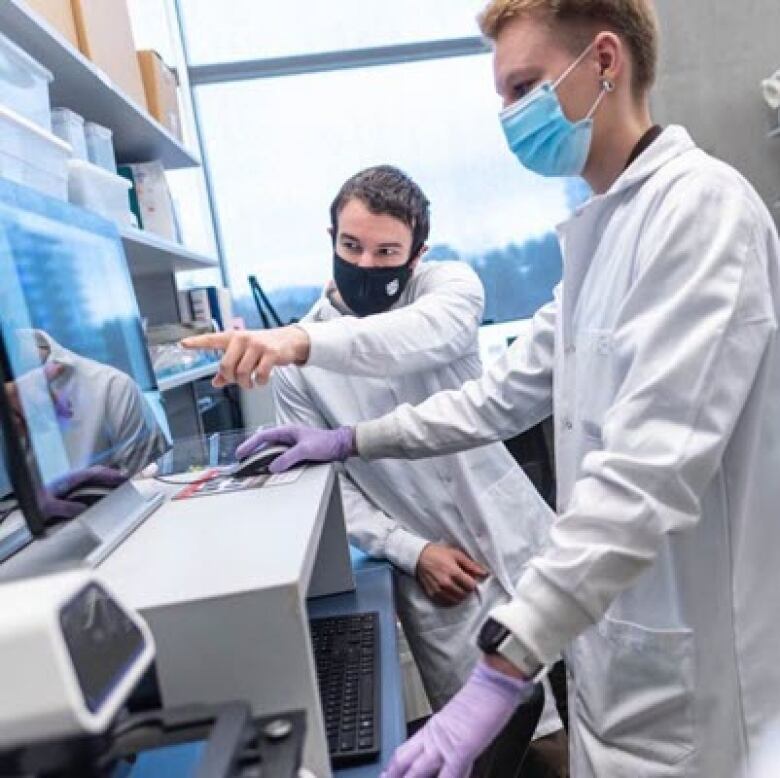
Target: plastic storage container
(31,156)
(100,146)
(100,191)
(24,84)
(69,126)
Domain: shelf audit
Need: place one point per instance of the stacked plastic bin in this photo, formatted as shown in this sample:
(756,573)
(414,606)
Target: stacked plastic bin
(29,153)
(56,152)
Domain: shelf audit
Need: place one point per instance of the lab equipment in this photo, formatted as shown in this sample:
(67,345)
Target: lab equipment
(24,84)
(71,658)
(70,654)
(68,126)
(100,146)
(267,550)
(265,309)
(346,653)
(98,190)
(31,156)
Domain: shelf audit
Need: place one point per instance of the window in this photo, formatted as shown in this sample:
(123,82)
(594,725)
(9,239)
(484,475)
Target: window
(154,27)
(259,29)
(280,148)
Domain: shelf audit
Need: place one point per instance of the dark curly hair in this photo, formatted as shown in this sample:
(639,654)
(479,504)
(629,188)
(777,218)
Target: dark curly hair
(387,190)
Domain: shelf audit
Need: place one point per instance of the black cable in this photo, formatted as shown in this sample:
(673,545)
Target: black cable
(189,483)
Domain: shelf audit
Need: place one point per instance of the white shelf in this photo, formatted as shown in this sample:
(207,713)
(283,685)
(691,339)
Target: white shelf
(81,86)
(775,133)
(186,377)
(148,254)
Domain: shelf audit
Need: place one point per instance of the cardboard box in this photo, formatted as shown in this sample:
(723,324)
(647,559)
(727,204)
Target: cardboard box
(162,91)
(59,14)
(106,37)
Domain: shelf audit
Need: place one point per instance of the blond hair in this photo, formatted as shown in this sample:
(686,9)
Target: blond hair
(633,20)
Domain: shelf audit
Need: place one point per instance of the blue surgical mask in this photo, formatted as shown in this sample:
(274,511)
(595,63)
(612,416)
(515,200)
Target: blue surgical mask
(540,135)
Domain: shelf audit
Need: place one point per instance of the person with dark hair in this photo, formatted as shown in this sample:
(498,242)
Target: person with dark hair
(392,329)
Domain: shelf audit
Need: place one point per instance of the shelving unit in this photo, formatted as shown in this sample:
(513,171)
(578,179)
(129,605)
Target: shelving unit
(187,377)
(153,261)
(82,87)
(148,254)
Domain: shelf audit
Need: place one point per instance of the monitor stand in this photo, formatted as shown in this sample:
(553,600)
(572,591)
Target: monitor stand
(86,540)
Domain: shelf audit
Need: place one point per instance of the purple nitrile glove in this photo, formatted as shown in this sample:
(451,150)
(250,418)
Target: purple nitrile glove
(449,744)
(308,444)
(96,475)
(55,502)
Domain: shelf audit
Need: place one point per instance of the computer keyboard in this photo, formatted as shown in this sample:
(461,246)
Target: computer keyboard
(346,651)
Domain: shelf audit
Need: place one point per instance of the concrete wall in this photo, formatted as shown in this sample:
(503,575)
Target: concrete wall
(715,54)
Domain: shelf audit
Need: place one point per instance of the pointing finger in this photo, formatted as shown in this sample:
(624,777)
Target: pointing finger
(216,340)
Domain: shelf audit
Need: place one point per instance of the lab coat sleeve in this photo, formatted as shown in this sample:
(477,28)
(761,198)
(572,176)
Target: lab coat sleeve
(369,528)
(375,533)
(440,326)
(513,395)
(688,345)
(132,428)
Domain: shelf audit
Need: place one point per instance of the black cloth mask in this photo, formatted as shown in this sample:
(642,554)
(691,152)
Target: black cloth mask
(370,290)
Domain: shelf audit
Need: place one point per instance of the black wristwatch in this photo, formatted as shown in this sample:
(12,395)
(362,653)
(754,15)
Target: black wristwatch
(491,636)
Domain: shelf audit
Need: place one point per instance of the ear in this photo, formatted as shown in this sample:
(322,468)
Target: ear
(420,254)
(611,56)
(332,233)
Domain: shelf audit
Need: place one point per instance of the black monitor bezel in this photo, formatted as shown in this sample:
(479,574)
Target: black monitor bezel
(23,474)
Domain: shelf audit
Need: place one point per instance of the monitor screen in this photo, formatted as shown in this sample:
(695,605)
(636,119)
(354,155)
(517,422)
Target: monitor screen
(82,391)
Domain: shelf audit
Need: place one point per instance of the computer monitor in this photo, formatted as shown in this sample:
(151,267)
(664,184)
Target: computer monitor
(80,391)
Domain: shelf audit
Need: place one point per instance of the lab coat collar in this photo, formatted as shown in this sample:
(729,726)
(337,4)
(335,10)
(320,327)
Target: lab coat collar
(324,309)
(672,143)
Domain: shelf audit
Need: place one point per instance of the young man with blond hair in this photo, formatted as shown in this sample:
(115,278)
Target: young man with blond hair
(660,358)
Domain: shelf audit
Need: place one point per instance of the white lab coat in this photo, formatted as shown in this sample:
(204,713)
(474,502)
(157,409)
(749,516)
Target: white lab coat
(480,502)
(660,355)
(110,423)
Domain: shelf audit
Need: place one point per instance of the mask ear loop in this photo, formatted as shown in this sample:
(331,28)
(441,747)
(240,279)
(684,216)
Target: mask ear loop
(573,66)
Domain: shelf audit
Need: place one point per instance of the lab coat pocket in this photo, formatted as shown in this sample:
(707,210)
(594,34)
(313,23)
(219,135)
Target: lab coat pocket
(635,690)
(519,521)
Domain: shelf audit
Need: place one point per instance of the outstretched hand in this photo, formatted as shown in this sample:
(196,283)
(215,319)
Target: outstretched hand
(250,355)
